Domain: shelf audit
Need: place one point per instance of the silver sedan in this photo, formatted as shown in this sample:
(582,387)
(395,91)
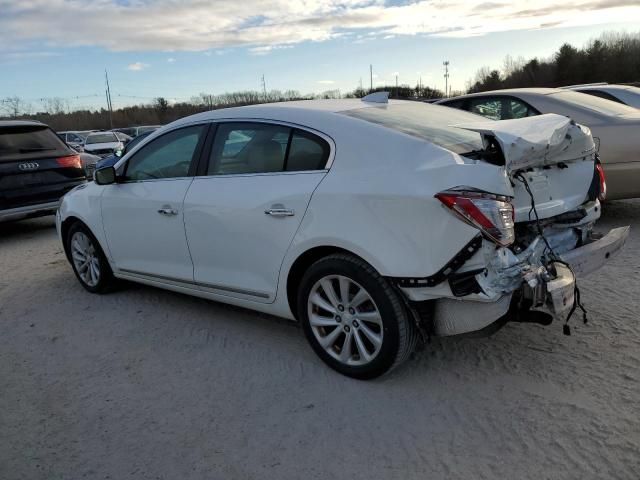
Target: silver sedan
(615,127)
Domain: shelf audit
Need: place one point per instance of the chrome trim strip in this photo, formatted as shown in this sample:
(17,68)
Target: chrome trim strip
(196,284)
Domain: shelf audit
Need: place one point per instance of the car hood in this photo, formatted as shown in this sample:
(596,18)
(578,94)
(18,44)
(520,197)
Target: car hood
(536,141)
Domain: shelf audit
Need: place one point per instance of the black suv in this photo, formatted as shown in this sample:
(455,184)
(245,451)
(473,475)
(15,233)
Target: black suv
(36,170)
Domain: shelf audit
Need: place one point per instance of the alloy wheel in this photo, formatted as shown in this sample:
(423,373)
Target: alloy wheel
(345,320)
(85,258)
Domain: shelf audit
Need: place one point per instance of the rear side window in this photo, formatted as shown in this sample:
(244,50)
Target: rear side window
(432,123)
(246,147)
(29,141)
(307,152)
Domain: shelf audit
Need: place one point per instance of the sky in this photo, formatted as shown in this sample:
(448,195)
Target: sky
(179,48)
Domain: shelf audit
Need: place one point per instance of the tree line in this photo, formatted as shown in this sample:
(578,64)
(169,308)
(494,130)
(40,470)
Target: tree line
(612,57)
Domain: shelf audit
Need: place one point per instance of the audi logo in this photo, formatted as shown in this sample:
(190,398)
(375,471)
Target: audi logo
(29,166)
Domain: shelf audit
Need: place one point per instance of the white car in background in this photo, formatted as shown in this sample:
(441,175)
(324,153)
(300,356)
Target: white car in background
(627,94)
(615,127)
(371,223)
(102,144)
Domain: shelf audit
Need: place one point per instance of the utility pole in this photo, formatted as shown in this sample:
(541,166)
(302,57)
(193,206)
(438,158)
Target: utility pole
(446,78)
(264,88)
(371,77)
(108,94)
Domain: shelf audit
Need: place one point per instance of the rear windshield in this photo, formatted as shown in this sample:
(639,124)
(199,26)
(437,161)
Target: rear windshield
(597,104)
(108,137)
(29,141)
(429,122)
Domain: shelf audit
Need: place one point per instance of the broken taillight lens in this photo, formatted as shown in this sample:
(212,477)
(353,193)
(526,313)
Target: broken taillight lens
(603,182)
(71,161)
(492,214)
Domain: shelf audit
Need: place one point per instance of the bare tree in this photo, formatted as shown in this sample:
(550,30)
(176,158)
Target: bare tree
(13,106)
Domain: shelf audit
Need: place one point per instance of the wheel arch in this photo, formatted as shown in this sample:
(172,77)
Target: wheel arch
(302,264)
(66,225)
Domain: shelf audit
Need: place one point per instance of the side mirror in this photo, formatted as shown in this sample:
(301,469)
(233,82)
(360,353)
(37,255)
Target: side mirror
(105,176)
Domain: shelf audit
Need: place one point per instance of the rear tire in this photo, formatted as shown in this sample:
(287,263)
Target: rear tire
(88,261)
(353,318)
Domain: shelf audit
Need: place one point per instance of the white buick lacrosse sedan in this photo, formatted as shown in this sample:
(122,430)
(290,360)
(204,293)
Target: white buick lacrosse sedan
(373,223)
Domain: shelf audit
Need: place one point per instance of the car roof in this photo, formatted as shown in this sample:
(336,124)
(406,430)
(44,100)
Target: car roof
(289,111)
(509,91)
(606,86)
(20,123)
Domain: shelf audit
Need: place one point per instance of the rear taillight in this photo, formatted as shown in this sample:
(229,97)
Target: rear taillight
(71,161)
(603,182)
(492,214)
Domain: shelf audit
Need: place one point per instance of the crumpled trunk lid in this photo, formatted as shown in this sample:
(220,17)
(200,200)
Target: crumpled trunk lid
(552,154)
(537,141)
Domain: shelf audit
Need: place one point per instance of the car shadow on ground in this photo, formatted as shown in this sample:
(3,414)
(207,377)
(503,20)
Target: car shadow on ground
(28,228)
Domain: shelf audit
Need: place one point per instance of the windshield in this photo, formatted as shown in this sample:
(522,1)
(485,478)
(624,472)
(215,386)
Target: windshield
(429,122)
(146,129)
(590,102)
(108,137)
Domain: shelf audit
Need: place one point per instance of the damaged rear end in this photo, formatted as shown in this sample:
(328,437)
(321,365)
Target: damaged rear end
(535,238)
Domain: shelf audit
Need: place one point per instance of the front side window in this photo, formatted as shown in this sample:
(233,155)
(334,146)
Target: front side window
(168,156)
(241,148)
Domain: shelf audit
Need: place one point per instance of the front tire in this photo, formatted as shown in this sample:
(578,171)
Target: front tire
(352,317)
(88,261)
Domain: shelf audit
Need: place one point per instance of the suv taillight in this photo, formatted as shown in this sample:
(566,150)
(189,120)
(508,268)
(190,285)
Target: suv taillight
(603,182)
(71,161)
(492,214)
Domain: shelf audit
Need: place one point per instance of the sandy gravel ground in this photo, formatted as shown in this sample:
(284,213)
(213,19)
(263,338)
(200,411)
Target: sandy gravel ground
(148,384)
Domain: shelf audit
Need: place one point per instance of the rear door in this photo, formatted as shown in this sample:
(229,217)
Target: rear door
(242,214)
(143,214)
(36,167)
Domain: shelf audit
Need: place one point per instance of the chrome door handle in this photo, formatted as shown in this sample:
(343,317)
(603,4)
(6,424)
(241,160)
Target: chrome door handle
(167,211)
(280,212)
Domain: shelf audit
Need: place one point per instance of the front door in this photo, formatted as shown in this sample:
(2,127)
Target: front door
(242,215)
(143,213)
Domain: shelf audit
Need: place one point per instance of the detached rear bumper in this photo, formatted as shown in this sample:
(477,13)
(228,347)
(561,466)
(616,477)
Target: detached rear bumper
(525,302)
(592,256)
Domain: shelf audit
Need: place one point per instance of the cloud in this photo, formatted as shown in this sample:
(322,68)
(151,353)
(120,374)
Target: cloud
(326,82)
(136,67)
(193,25)
(266,49)
(171,60)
